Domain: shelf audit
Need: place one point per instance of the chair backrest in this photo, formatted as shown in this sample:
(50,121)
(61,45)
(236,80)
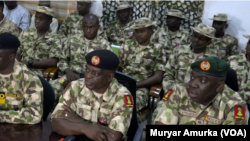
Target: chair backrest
(231,80)
(130,83)
(48,98)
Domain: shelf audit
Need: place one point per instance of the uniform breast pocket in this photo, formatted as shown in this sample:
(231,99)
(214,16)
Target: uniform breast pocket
(84,111)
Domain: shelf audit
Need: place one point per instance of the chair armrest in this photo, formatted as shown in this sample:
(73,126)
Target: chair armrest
(46,73)
(138,133)
(155,90)
(53,73)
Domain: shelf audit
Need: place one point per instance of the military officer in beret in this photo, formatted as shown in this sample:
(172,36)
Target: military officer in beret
(72,61)
(97,106)
(177,69)
(21,99)
(142,60)
(204,100)
(241,64)
(72,24)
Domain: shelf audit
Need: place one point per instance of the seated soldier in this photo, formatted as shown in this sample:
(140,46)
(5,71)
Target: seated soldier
(241,64)
(54,24)
(72,62)
(17,14)
(97,106)
(177,69)
(173,35)
(21,98)
(40,48)
(142,60)
(118,31)
(72,23)
(226,44)
(204,100)
(7,25)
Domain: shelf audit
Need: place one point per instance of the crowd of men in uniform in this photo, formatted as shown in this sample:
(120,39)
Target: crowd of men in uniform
(192,70)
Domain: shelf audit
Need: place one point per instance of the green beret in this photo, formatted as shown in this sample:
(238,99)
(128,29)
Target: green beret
(103,59)
(211,66)
(9,41)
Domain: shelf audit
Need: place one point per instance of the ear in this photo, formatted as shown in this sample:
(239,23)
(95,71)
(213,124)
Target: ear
(12,56)
(111,76)
(220,87)
(226,25)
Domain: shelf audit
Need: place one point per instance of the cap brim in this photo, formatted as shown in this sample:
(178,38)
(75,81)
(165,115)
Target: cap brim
(193,28)
(219,20)
(176,16)
(123,8)
(247,36)
(44,13)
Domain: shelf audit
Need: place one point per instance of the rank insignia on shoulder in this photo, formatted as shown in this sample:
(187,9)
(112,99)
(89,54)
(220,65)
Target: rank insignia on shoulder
(167,94)
(128,101)
(66,88)
(239,112)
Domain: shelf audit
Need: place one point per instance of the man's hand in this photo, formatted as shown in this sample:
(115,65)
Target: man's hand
(71,76)
(68,114)
(98,132)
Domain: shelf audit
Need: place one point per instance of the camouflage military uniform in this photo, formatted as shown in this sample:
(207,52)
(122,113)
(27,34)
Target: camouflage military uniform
(74,51)
(171,40)
(72,25)
(37,48)
(180,109)
(110,106)
(227,46)
(9,27)
(21,99)
(177,69)
(242,67)
(141,63)
(118,33)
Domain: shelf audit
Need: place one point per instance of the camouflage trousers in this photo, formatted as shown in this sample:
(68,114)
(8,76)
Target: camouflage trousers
(141,101)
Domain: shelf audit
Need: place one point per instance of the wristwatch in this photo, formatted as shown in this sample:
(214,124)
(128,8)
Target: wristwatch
(30,63)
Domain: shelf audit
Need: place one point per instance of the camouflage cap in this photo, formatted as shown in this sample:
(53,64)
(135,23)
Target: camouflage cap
(142,23)
(45,10)
(205,30)
(87,1)
(211,66)
(175,13)
(247,36)
(220,17)
(123,5)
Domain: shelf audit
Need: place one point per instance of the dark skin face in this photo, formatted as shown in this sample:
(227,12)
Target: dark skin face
(42,22)
(97,79)
(11,4)
(123,15)
(83,8)
(203,88)
(143,35)
(7,58)
(220,27)
(90,28)
(199,40)
(248,50)
(173,23)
